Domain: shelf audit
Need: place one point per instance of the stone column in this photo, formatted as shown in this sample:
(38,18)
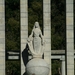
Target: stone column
(24,29)
(47,31)
(63,66)
(69,37)
(2,37)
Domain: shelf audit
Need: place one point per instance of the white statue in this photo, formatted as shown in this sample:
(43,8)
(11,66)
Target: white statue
(36,41)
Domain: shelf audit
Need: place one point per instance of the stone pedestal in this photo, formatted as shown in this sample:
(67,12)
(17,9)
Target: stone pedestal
(37,66)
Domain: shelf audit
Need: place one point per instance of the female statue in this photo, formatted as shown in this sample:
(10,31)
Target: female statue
(36,41)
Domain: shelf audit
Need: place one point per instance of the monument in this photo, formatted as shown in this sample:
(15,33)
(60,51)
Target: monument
(47,36)
(37,65)
(36,41)
(47,33)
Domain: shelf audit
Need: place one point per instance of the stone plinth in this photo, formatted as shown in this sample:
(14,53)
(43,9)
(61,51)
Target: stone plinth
(37,66)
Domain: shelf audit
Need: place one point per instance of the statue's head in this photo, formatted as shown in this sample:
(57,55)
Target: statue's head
(36,24)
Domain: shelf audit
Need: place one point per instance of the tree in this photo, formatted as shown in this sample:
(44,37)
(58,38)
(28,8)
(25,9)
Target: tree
(35,13)
(12,68)
(12,24)
(56,65)
(58,24)
(12,37)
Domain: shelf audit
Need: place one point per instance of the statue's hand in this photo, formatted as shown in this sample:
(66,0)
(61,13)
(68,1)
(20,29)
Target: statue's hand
(43,42)
(29,51)
(28,40)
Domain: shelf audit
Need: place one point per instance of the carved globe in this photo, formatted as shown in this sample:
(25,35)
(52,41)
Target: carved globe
(37,66)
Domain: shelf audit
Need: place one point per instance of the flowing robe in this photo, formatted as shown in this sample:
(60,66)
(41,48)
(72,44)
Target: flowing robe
(37,40)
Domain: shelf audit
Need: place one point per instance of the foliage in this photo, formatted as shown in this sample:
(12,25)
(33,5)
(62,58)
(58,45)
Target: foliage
(12,24)
(58,24)
(12,29)
(56,65)
(35,13)
(12,68)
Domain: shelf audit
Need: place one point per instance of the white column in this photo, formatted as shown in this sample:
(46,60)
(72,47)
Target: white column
(47,31)
(63,67)
(70,37)
(2,37)
(63,72)
(24,29)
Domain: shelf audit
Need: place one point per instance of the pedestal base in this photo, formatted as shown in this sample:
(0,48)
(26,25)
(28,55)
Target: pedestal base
(37,66)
